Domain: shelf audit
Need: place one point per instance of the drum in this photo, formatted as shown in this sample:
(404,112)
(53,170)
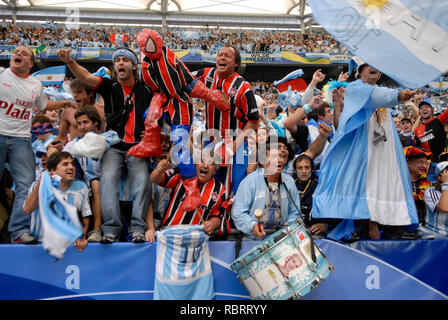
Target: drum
(286,265)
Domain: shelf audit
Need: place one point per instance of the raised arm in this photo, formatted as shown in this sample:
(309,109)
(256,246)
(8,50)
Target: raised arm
(318,145)
(157,174)
(318,77)
(78,71)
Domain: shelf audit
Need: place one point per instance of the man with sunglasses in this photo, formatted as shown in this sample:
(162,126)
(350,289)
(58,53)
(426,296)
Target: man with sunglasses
(125,102)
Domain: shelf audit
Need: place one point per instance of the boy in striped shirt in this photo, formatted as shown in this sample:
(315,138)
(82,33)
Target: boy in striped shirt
(436,200)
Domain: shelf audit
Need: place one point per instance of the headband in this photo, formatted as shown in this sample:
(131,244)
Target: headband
(42,128)
(125,53)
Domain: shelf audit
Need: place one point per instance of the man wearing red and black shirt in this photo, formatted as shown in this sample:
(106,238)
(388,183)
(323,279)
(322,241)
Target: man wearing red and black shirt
(243,113)
(125,102)
(210,212)
(430,133)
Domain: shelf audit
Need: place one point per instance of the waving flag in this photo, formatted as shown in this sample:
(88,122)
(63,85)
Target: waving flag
(59,220)
(292,80)
(53,76)
(407,39)
(183,267)
(119,38)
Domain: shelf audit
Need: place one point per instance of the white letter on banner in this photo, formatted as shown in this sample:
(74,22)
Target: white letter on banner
(345,30)
(443,44)
(373,280)
(416,22)
(73,280)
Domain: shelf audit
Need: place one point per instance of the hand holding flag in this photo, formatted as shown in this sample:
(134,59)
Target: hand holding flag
(405,95)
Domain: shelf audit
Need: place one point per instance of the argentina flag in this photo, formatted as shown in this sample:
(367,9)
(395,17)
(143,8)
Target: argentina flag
(292,80)
(59,220)
(53,76)
(364,174)
(183,267)
(405,39)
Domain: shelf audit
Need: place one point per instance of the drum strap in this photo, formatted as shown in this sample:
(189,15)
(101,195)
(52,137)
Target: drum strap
(313,249)
(238,242)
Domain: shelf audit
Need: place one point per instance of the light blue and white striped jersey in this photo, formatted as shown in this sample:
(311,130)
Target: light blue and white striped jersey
(90,166)
(435,220)
(59,221)
(77,195)
(183,267)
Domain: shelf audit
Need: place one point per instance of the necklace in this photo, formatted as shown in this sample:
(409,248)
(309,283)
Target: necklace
(304,190)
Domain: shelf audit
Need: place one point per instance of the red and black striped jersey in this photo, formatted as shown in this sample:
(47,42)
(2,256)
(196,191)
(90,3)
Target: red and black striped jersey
(243,106)
(170,76)
(212,198)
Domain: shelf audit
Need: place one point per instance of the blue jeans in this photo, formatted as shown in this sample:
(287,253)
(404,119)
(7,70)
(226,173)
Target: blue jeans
(113,162)
(20,156)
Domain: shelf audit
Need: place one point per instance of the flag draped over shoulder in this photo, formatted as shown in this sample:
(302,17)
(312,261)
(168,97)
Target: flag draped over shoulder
(183,267)
(59,220)
(364,174)
(53,76)
(407,39)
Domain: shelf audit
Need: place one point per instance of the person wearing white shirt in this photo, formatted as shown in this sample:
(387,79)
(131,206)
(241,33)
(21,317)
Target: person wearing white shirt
(19,95)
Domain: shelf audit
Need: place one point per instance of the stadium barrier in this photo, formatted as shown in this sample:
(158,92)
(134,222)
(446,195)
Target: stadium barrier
(365,270)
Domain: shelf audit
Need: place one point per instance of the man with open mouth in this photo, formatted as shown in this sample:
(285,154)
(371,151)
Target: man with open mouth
(210,211)
(230,125)
(125,102)
(19,94)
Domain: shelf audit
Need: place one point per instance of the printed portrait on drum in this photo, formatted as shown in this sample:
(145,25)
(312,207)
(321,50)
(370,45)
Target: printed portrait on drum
(292,262)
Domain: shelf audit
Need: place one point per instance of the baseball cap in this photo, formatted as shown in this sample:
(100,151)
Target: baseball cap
(425,101)
(406,119)
(440,167)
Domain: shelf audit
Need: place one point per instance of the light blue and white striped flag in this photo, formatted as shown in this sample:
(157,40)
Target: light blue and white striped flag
(405,39)
(59,220)
(53,76)
(183,267)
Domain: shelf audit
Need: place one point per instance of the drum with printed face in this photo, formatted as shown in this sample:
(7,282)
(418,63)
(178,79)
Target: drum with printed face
(287,265)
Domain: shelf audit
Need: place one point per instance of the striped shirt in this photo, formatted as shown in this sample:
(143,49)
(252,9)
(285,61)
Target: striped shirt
(243,106)
(435,220)
(77,195)
(91,168)
(170,76)
(212,193)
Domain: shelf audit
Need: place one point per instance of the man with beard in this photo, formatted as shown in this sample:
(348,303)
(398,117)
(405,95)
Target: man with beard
(125,102)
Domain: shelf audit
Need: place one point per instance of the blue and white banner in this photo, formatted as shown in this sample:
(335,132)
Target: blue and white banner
(53,76)
(197,55)
(59,220)
(407,39)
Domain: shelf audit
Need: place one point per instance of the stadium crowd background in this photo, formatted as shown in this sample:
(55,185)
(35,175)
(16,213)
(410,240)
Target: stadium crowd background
(206,38)
(211,39)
